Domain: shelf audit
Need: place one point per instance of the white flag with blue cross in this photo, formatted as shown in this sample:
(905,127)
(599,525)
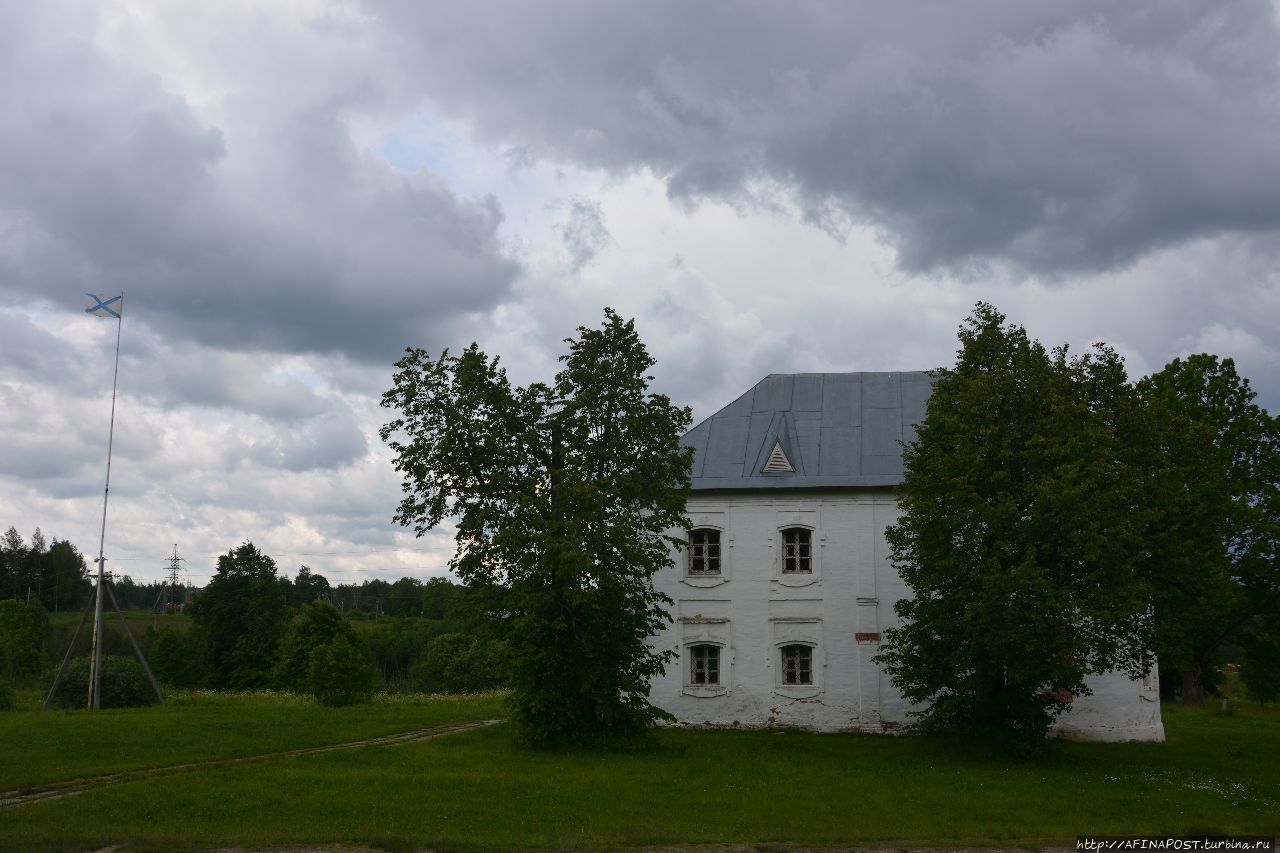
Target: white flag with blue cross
(104,306)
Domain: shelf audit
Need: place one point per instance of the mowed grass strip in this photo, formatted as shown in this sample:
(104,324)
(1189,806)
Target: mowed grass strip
(40,747)
(481,790)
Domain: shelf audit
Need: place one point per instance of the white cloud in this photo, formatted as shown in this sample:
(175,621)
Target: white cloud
(290,194)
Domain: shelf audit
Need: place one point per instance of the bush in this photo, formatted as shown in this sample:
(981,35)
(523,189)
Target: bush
(457,663)
(22,629)
(175,657)
(7,698)
(398,643)
(316,625)
(1260,669)
(341,673)
(124,684)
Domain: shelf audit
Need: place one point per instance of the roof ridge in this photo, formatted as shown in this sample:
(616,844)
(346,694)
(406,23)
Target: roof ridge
(847,427)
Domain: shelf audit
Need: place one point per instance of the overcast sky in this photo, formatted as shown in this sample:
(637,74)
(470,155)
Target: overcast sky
(289,193)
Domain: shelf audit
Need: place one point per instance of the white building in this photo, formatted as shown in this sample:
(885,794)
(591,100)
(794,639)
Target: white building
(786,586)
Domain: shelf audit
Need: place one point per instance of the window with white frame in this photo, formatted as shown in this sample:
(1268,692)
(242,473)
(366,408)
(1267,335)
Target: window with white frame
(797,665)
(704,551)
(797,551)
(704,665)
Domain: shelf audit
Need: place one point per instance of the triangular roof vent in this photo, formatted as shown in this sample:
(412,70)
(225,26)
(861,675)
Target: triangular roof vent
(778,462)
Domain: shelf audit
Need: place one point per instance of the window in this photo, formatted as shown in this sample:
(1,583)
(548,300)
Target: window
(704,665)
(797,546)
(798,661)
(706,656)
(704,551)
(797,665)
(797,552)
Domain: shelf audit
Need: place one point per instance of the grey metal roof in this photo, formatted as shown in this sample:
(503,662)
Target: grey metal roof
(836,429)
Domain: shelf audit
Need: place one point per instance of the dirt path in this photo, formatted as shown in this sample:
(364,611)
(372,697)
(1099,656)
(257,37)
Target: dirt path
(71,787)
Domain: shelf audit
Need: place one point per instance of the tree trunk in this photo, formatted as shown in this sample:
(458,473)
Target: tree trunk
(1192,689)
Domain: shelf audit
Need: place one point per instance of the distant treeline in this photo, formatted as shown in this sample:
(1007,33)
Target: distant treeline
(437,598)
(54,574)
(252,627)
(58,575)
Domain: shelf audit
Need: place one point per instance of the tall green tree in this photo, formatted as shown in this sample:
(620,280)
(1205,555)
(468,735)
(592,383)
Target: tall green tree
(562,494)
(13,554)
(440,598)
(405,598)
(64,577)
(20,564)
(1219,567)
(308,587)
(242,614)
(1024,513)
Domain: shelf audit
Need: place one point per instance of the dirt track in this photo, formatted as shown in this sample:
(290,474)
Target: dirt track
(71,787)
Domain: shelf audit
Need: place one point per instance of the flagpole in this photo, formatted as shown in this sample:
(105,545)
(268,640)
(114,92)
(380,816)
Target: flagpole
(95,659)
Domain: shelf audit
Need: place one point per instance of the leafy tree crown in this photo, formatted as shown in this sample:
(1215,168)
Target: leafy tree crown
(562,495)
(1021,534)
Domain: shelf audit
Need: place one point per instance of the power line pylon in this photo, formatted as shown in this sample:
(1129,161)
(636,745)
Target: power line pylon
(168,596)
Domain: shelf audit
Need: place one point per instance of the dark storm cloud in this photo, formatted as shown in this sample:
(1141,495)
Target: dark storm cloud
(1056,136)
(276,233)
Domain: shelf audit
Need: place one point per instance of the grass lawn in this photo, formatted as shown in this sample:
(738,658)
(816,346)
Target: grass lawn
(50,746)
(1216,774)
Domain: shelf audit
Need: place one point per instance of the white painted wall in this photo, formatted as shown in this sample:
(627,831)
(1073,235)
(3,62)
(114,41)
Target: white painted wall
(752,609)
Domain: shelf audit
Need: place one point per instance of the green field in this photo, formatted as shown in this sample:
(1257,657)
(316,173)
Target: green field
(480,790)
(139,620)
(52,746)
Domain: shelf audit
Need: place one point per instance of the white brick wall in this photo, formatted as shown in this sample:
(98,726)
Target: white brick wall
(753,609)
